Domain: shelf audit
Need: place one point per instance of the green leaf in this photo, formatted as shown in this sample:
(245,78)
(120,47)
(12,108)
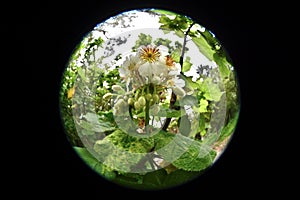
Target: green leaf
(162,139)
(169,113)
(94,164)
(164,42)
(100,126)
(86,156)
(203,106)
(131,143)
(92,118)
(184,125)
(81,74)
(164,12)
(210,138)
(175,56)
(186,64)
(77,50)
(105,171)
(202,125)
(93,123)
(87,131)
(179,34)
(211,90)
(107,116)
(223,65)
(115,157)
(155,179)
(164,20)
(172,146)
(194,159)
(185,153)
(165,30)
(122,151)
(179,177)
(210,39)
(131,180)
(189,100)
(204,47)
(189,83)
(143,40)
(179,24)
(229,128)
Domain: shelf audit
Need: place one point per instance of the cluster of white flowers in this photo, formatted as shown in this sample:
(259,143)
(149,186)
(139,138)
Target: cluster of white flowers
(149,65)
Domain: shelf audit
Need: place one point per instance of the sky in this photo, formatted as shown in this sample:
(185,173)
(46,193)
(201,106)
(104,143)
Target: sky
(141,22)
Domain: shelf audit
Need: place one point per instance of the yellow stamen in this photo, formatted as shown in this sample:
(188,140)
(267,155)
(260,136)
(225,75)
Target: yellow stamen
(169,61)
(150,54)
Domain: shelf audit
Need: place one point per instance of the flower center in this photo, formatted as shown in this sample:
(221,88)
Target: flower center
(150,54)
(169,61)
(131,66)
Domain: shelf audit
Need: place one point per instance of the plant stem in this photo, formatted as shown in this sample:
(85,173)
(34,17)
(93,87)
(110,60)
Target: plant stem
(130,112)
(172,102)
(184,43)
(147,117)
(173,95)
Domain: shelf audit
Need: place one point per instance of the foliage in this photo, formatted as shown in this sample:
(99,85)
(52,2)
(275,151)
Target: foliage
(113,116)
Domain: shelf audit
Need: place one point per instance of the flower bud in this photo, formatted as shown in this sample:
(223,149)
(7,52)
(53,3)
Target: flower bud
(137,105)
(120,103)
(142,101)
(107,96)
(178,91)
(151,102)
(148,96)
(155,98)
(130,101)
(117,88)
(121,106)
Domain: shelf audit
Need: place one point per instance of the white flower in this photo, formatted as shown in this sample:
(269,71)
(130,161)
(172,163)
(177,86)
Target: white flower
(176,82)
(177,85)
(179,82)
(152,69)
(150,65)
(130,64)
(145,69)
(156,80)
(178,91)
(175,70)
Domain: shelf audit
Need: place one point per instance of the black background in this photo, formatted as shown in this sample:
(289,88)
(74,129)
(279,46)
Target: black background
(48,32)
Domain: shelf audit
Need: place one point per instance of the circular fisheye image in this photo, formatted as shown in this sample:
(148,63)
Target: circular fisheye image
(149,99)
